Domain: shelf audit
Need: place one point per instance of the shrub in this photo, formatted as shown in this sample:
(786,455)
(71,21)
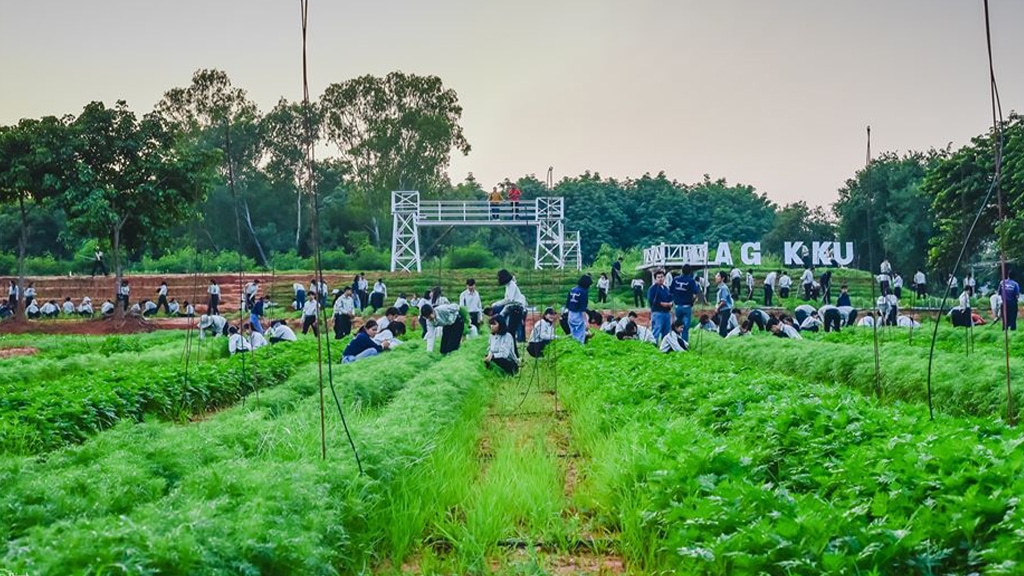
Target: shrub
(475,255)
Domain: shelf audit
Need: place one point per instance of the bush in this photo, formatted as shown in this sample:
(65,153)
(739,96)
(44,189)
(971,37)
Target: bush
(369,258)
(290,260)
(475,255)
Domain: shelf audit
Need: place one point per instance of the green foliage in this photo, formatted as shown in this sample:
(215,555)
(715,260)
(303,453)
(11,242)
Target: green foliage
(474,255)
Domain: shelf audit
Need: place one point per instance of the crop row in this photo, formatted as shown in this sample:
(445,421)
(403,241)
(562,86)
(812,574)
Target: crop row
(972,385)
(715,466)
(246,490)
(47,413)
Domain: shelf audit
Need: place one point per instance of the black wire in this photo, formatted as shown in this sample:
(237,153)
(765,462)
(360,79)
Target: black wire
(311,173)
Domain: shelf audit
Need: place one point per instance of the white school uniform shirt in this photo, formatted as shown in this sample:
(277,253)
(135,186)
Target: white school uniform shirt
(380,288)
(297,287)
(785,281)
(236,343)
(953,282)
(845,311)
(807,277)
(897,281)
(311,308)
(384,335)
(174,307)
(791,332)
(542,331)
(399,302)
(48,308)
(68,307)
(807,308)
(602,283)
(190,309)
(995,301)
(608,326)
(512,294)
(885,267)
(124,290)
(215,322)
(32,309)
(644,334)
(868,321)
(150,306)
(344,305)
(965,300)
(13,290)
(919,278)
(250,289)
(30,292)
(769,280)
(621,324)
(969,281)
(162,290)
(737,333)
(637,282)
(810,322)
(258,341)
(363,284)
(907,322)
(882,278)
(85,308)
(106,308)
(213,290)
(750,280)
(471,301)
(283,332)
(135,309)
(735,273)
(502,346)
(826,308)
(673,342)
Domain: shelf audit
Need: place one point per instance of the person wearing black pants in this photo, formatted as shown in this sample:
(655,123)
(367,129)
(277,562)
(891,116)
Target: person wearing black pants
(501,349)
(724,307)
(831,317)
(617,273)
(309,317)
(161,299)
(638,293)
(214,291)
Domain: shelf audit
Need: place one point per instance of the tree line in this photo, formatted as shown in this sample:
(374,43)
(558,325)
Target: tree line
(207,171)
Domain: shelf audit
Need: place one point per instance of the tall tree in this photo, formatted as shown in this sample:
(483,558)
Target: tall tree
(884,211)
(395,132)
(287,139)
(35,157)
(798,221)
(957,185)
(227,119)
(136,179)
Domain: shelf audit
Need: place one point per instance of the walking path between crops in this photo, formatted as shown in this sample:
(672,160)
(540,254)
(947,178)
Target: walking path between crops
(526,512)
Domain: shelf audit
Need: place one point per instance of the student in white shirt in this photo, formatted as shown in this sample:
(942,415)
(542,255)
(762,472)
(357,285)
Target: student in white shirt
(920,284)
(443,318)
(512,306)
(149,308)
(173,308)
(811,323)
(883,283)
(123,294)
(391,334)
(995,302)
(638,292)
(673,341)
(785,283)
(380,292)
(402,304)
(740,330)
(807,280)
(734,282)
(256,340)
(69,307)
(215,324)
(831,318)
(904,321)
(236,342)
(610,322)
(750,285)
(969,284)
(85,307)
(897,285)
(161,297)
(543,333)
(300,295)
(32,311)
(784,330)
(344,311)
(867,321)
(13,293)
(390,315)
(135,310)
(602,288)
(213,307)
(190,310)
(802,311)
(30,293)
(280,332)
(107,308)
(470,300)
(49,309)
(769,288)
(249,292)
(501,349)
(310,312)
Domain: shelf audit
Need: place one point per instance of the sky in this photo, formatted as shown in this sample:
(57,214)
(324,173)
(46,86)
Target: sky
(773,94)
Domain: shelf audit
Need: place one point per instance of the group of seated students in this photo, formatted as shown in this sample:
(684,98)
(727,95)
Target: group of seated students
(374,337)
(250,337)
(51,310)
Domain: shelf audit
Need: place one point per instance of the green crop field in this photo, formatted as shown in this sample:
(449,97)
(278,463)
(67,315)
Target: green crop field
(138,454)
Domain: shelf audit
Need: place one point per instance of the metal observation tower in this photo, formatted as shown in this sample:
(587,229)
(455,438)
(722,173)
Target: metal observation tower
(556,247)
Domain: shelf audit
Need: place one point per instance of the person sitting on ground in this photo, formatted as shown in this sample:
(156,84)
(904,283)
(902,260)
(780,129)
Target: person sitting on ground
(215,324)
(68,308)
(5,310)
(256,339)
(135,310)
(85,307)
(32,311)
(501,349)
(107,308)
(706,323)
(811,323)
(673,341)
(634,331)
(236,342)
(402,304)
(49,310)
(785,330)
(743,329)
(392,333)
(904,321)
(281,332)
(149,308)
(363,346)
(609,324)
(542,334)
(390,315)
(190,310)
(446,319)
(173,308)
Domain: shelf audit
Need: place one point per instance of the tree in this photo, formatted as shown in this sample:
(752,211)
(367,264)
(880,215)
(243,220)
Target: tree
(136,179)
(957,184)
(797,221)
(884,211)
(287,140)
(394,133)
(34,160)
(224,117)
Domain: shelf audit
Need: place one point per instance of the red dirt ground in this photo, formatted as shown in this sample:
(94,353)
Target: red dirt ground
(12,352)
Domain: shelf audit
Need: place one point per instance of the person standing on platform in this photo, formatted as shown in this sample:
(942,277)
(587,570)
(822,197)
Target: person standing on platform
(514,195)
(659,299)
(495,199)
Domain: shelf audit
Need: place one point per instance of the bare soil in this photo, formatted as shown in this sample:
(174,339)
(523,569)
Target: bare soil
(12,352)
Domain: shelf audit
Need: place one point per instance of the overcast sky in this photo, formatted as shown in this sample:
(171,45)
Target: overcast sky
(775,94)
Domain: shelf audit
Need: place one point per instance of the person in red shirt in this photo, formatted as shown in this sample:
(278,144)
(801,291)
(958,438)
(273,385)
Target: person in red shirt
(513,198)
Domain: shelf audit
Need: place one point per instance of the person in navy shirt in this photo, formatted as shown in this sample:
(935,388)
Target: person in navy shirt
(576,303)
(363,345)
(1010,291)
(684,290)
(660,300)
(844,296)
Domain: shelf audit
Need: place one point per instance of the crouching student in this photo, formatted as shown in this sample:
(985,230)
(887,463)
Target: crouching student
(802,312)
(68,308)
(705,323)
(811,323)
(173,308)
(256,339)
(50,310)
(85,308)
(742,329)
(32,311)
(576,303)
(449,320)
(107,308)
(215,324)
(281,332)
(363,345)
(236,342)
(149,308)
(608,327)
(543,333)
(402,304)
(673,341)
(391,334)
(501,350)
(760,318)
(831,317)
(785,330)
(848,314)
